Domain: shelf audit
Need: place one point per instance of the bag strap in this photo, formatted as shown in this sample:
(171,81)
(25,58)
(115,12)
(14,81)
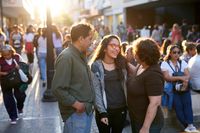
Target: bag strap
(179,69)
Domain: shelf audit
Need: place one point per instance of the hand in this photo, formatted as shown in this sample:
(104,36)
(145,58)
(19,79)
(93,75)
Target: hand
(104,120)
(17,66)
(80,107)
(4,73)
(144,130)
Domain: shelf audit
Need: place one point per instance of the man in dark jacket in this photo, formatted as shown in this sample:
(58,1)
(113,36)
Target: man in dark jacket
(72,84)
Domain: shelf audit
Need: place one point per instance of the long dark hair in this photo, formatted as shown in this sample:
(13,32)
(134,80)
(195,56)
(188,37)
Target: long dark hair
(120,61)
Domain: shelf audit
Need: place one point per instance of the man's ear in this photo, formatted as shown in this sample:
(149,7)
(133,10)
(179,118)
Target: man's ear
(80,39)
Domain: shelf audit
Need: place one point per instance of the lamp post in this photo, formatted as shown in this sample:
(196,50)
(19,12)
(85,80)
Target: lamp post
(1,8)
(48,96)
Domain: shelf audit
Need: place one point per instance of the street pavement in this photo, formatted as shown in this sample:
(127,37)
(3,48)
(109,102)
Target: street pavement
(44,117)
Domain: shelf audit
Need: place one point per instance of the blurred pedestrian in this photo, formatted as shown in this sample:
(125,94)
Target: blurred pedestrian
(57,39)
(189,50)
(2,38)
(176,36)
(13,98)
(42,56)
(145,88)
(194,67)
(109,67)
(29,46)
(72,83)
(16,39)
(176,72)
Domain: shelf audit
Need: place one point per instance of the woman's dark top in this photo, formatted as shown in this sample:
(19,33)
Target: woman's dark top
(114,91)
(139,87)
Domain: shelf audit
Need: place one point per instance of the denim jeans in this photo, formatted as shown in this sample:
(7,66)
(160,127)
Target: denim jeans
(167,97)
(183,107)
(78,123)
(42,65)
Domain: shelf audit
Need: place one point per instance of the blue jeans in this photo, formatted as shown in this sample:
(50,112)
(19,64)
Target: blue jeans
(78,123)
(42,65)
(183,107)
(167,97)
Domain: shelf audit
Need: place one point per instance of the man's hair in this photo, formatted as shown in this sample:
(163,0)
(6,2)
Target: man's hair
(80,29)
(198,48)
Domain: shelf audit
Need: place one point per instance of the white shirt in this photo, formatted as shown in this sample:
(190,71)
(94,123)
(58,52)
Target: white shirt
(42,45)
(29,37)
(165,66)
(194,69)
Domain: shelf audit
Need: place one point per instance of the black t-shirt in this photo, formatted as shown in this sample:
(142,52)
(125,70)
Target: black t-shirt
(148,83)
(114,92)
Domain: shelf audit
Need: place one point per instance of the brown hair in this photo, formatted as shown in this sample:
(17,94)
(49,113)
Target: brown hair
(147,50)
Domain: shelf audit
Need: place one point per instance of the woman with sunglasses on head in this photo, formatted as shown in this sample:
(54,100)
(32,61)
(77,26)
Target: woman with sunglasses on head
(176,72)
(109,68)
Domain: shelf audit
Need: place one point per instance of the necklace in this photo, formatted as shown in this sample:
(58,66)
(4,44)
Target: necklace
(108,62)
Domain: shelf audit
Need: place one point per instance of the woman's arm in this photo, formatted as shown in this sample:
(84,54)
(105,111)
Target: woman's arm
(155,101)
(170,78)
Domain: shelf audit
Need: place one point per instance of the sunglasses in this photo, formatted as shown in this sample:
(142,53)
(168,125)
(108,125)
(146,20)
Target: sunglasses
(176,52)
(114,45)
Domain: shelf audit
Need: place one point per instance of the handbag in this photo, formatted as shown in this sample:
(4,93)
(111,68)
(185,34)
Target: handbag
(12,79)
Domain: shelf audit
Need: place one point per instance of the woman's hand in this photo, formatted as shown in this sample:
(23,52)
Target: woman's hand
(4,73)
(104,120)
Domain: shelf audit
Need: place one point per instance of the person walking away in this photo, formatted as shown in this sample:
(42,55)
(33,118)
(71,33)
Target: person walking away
(57,40)
(13,98)
(109,67)
(42,56)
(16,39)
(145,87)
(72,84)
(29,46)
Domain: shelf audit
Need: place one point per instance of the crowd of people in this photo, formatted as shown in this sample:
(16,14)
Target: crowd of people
(142,79)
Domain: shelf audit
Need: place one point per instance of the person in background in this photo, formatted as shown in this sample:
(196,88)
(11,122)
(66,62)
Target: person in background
(181,99)
(35,40)
(57,40)
(109,67)
(67,41)
(176,36)
(16,39)
(2,38)
(194,35)
(194,67)
(72,82)
(189,50)
(13,98)
(130,32)
(156,35)
(29,46)
(42,55)
(145,87)
(121,29)
(184,29)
